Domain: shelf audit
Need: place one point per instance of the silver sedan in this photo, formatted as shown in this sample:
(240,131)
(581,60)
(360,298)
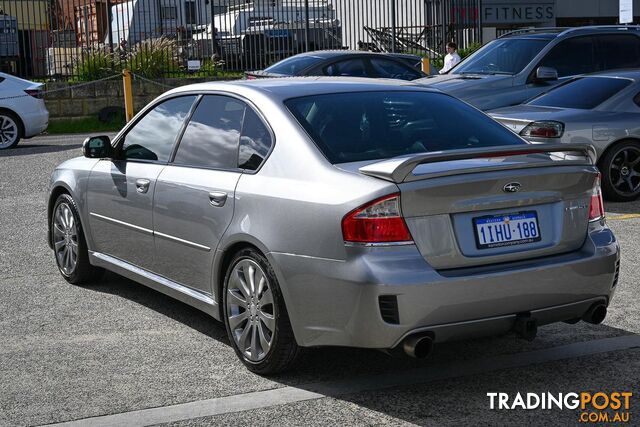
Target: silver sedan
(602,110)
(337,212)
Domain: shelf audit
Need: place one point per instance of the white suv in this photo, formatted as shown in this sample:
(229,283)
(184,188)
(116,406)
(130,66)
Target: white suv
(22,110)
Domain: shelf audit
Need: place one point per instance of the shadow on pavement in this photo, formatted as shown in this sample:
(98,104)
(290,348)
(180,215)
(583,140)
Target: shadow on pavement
(27,149)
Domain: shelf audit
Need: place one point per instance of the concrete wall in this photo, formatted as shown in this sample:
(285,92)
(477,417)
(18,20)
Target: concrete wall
(591,8)
(79,100)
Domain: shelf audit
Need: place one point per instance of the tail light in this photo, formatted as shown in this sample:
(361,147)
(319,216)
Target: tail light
(379,221)
(543,129)
(596,207)
(36,93)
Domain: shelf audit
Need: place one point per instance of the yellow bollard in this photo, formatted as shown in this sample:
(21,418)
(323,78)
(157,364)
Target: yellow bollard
(426,66)
(128,94)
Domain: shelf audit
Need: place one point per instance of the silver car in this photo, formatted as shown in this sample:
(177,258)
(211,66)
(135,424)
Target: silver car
(338,212)
(600,109)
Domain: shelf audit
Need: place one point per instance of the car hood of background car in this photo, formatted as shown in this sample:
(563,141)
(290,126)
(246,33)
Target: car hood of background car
(478,90)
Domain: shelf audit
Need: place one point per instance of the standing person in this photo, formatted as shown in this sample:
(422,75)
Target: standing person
(452,58)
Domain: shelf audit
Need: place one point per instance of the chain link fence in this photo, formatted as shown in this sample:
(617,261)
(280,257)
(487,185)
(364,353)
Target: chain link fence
(85,40)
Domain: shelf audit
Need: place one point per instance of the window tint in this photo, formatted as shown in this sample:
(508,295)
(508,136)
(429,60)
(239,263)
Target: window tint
(506,56)
(255,141)
(572,57)
(349,67)
(294,65)
(392,70)
(212,135)
(619,51)
(583,93)
(152,138)
(358,126)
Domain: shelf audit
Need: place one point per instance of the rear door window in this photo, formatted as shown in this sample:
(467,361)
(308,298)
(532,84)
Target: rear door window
(582,93)
(255,141)
(350,67)
(212,135)
(357,126)
(572,57)
(385,68)
(619,51)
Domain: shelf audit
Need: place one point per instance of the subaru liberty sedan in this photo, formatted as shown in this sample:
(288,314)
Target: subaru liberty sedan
(338,212)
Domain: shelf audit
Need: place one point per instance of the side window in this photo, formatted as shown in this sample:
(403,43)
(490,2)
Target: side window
(392,70)
(619,51)
(571,57)
(255,141)
(152,138)
(211,137)
(349,67)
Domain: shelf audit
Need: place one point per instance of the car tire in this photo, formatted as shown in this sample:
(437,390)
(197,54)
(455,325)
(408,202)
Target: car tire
(255,315)
(620,168)
(69,244)
(10,130)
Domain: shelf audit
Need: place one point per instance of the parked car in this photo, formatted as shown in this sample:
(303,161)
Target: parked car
(337,212)
(602,110)
(345,63)
(525,63)
(22,110)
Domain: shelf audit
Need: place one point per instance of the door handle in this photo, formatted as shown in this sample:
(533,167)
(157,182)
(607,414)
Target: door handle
(142,185)
(217,198)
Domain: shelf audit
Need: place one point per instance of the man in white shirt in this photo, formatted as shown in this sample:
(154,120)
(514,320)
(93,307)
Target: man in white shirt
(452,57)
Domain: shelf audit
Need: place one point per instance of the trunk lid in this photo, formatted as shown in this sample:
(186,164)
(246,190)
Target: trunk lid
(450,199)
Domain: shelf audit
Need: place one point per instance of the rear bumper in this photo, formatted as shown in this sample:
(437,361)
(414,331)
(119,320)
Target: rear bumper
(35,122)
(336,302)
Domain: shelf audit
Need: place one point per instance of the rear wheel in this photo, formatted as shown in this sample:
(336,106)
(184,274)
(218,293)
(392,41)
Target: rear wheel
(255,315)
(620,168)
(9,130)
(69,245)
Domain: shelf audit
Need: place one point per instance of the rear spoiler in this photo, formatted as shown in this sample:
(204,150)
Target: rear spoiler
(398,169)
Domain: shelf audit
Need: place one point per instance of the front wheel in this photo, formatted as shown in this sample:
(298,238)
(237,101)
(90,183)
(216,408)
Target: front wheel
(69,245)
(620,169)
(255,315)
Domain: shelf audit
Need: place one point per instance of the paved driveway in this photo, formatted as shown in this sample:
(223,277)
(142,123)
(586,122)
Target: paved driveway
(129,355)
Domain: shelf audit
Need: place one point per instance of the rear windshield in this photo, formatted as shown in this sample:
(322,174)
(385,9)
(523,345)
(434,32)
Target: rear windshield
(357,126)
(583,93)
(292,66)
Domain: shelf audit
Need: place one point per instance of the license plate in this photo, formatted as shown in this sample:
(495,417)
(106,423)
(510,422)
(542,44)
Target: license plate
(512,229)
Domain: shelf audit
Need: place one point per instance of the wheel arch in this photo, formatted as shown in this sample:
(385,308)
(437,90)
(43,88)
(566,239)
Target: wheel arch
(612,146)
(17,116)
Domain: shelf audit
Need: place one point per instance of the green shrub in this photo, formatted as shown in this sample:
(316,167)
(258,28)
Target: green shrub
(153,58)
(94,65)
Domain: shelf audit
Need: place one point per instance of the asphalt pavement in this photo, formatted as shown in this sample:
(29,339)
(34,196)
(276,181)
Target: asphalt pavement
(117,353)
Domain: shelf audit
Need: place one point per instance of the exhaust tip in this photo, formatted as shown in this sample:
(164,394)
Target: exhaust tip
(596,314)
(419,346)
(526,327)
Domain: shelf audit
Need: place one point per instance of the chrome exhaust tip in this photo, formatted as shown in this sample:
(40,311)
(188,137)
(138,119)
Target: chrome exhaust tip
(596,314)
(418,346)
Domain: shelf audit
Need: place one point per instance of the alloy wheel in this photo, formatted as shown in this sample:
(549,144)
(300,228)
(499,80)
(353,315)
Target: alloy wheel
(250,310)
(65,239)
(8,131)
(624,170)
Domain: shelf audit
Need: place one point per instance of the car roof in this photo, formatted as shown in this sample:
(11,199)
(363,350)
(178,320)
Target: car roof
(339,52)
(293,87)
(633,74)
(549,33)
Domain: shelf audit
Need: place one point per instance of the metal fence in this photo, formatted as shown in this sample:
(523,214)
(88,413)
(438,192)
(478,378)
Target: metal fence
(90,39)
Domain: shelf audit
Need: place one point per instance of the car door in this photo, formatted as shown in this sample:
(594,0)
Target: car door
(120,190)
(194,199)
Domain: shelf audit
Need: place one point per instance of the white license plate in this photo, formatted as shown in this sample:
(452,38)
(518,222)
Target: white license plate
(512,229)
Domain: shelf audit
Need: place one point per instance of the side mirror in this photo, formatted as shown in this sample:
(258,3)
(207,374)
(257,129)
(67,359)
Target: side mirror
(545,74)
(97,147)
